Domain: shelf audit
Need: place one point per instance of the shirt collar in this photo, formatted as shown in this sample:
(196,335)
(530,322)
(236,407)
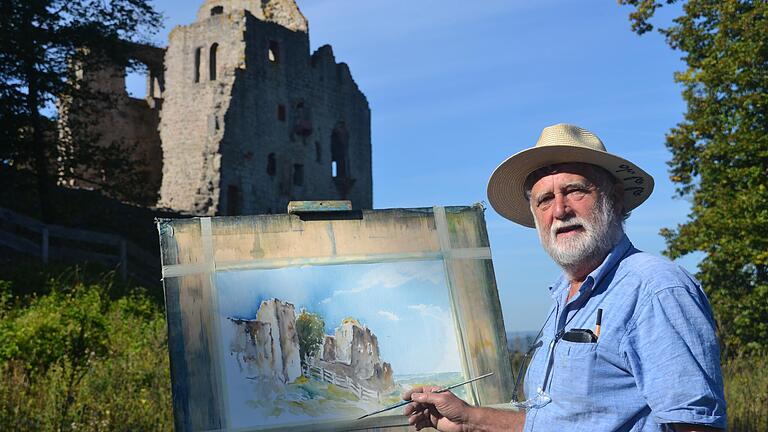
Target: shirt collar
(593,279)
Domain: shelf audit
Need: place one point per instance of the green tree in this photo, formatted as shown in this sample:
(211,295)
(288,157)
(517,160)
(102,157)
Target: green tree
(720,156)
(39,41)
(311,331)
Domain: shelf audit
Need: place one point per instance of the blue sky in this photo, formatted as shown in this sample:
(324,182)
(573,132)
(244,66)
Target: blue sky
(455,87)
(399,302)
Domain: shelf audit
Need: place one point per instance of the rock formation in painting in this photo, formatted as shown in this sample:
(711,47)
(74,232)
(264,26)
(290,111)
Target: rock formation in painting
(267,347)
(353,351)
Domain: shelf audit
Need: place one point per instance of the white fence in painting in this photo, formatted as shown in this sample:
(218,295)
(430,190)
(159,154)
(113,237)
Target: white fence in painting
(344,382)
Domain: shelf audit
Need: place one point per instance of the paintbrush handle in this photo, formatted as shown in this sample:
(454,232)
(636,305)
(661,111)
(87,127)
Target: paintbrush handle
(444,389)
(453,386)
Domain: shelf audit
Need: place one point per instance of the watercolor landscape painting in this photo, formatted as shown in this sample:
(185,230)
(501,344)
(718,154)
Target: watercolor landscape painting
(307,344)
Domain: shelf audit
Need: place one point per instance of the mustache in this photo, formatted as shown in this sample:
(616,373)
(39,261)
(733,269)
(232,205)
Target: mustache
(573,222)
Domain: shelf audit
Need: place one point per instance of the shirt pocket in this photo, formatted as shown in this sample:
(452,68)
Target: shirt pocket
(573,369)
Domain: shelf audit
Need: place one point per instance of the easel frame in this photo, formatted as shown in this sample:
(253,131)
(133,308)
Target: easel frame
(193,250)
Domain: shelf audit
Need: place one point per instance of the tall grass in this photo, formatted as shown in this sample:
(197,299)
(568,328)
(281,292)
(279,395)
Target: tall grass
(82,357)
(746,392)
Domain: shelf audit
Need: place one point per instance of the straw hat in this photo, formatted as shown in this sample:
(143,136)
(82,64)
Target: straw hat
(561,143)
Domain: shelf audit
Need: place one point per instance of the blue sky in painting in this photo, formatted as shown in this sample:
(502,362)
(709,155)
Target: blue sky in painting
(455,87)
(405,304)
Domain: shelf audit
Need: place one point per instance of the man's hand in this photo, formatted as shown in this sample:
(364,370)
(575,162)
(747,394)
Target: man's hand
(443,411)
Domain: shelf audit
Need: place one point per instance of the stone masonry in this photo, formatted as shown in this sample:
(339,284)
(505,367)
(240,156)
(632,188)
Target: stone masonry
(113,118)
(250,120)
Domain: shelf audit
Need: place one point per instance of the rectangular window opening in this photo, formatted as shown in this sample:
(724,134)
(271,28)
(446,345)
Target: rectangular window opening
(273,52)
(217,10)
(298,174)
(271,165)
(233,201)
(198,53)
(281,113)
(333,169)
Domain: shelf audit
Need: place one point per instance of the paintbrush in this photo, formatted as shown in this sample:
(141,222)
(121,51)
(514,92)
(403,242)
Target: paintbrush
(444,389)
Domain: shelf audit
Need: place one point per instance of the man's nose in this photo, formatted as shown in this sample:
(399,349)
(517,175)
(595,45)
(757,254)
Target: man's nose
(561,210)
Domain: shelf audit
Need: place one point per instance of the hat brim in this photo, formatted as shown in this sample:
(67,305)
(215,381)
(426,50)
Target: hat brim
(506,186)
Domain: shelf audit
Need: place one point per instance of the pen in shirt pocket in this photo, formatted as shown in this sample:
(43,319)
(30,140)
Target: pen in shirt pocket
(598,322)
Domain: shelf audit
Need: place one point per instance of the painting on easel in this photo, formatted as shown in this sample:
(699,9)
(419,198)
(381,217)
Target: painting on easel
(308,320)
(331,342)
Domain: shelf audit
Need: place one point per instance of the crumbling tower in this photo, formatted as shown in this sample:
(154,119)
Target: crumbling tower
(250,120)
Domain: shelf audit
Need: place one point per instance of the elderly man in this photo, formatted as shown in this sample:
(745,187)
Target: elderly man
(654,364)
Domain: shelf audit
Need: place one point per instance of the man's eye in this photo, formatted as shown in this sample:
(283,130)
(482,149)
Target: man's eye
(544,201)
(577,194)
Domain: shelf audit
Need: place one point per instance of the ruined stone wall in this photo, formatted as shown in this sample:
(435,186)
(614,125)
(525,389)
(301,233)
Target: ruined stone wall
(194,106)
(281,317)
(247,118)
(109,117)
(353,351)
(262,134)
(253,348)
(283,115)
(283,12)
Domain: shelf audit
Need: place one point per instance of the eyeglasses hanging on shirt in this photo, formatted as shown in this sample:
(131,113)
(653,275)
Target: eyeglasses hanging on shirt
(542,398)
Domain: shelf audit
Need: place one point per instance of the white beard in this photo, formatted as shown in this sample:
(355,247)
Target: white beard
(588,248)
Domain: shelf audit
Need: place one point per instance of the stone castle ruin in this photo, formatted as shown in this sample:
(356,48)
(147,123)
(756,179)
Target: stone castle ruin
(267,350)
(267,347)
(353,351)
(239,117)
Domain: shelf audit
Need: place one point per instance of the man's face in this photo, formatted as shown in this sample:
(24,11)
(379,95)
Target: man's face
(575,221)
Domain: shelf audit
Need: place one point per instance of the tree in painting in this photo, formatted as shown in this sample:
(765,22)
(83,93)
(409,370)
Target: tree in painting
(311,331)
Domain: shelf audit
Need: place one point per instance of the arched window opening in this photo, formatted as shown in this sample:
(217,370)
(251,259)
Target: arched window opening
(212,62)
(271,165)
(198,54)
(217,10)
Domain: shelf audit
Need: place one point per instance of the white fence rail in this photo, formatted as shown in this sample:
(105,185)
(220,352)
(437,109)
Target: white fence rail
(344,382)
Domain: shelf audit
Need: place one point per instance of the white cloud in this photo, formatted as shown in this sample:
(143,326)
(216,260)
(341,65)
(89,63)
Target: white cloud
(431,311)
(389,315)
(392,276)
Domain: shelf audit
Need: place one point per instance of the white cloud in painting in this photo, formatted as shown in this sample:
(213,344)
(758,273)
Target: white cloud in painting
(384,277)
(389,315)
(431,311)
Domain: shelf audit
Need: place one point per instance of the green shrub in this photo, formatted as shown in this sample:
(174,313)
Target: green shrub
(82,357)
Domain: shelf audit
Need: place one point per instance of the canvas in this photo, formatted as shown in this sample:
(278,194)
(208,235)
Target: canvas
(305,322)
(332,342)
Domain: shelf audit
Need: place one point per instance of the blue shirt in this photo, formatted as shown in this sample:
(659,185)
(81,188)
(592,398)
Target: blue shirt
(656,361)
